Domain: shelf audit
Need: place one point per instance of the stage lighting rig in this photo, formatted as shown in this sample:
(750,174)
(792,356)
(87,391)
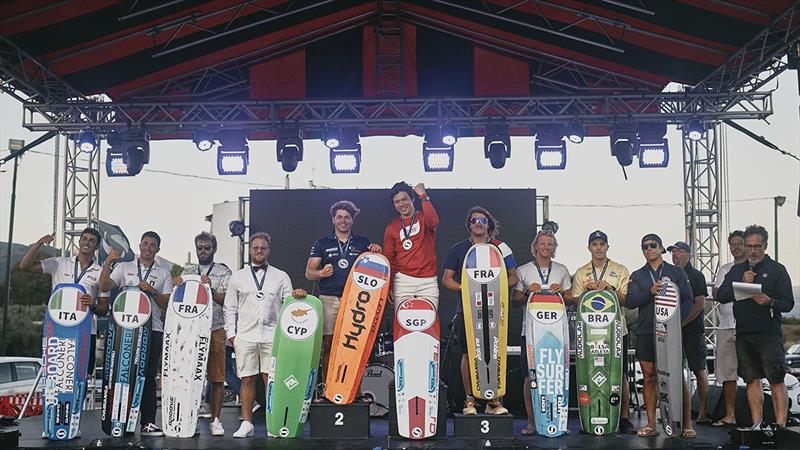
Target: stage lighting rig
(233,154)
(623,141)
(695,129)
(289,148)
(437,155)
(127,153)
(347,157)
(448,134)
(331,137)
(575,132)
(203,140)
(653,148)
(497,145)
(550,148)
(87,141)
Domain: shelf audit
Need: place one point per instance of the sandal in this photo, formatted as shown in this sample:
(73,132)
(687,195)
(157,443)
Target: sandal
(529,430)
(723,423)
(647,431)
(703,421)
(689,434)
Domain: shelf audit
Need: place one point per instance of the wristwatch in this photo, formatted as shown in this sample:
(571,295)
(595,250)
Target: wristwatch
(425,198)
(772,303)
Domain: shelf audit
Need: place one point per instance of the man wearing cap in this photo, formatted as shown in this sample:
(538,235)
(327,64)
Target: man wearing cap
(694,341)
(603,274)
(644,286)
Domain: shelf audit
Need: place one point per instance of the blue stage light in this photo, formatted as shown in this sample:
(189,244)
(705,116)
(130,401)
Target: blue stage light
(204,140)
(87,142)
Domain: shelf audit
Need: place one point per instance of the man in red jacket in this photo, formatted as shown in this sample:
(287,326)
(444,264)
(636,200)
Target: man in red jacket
(409,242)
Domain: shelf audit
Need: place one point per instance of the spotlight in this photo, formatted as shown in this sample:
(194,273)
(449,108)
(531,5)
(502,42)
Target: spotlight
(653,148)
(575,132)
(237,228)
(233,155)
(497,145)
(622,149)
(436,155)
(290,149)
(346,159)
(115,166)
(331,137)
(87,142)
(449,134)
(695,129)
(203,139)
(127,154)
(550,149)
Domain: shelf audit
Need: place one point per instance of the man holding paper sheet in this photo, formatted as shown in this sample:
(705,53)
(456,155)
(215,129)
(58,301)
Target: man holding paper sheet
(759,341)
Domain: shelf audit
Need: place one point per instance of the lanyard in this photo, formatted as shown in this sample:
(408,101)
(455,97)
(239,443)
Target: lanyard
(259,285)
(407,232)
(139,270)
(343,251)
(207,271)
(77,277)
(541,275)
(658,275)
(603,272)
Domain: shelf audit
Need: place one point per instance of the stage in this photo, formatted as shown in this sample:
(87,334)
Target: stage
(93,436)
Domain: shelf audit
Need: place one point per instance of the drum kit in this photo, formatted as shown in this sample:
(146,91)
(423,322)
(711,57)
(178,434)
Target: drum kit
(378,374)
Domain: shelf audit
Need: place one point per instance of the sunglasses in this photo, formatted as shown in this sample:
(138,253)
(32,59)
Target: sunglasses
(205,247)
(650,245)
(479,221)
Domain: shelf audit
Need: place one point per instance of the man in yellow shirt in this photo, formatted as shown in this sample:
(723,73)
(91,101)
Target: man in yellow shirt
(604,274)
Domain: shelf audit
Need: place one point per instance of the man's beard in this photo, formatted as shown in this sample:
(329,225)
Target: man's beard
(207,261)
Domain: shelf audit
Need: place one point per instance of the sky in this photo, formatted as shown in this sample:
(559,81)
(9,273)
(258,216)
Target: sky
(176,191)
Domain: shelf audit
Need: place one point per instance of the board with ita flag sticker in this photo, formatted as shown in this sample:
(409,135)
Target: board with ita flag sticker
(598,361)
(547,350)
(293,366)
(484,297)
(357,323)
(127,344)
(669,357)
(187,342)
(416,364)
(65,350)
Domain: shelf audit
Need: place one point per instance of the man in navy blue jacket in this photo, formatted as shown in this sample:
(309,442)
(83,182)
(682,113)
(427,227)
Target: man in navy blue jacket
(759,340)
(645,284)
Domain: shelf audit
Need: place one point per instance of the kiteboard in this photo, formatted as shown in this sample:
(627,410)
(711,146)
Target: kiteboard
(65,350)
(669,357)
(127,343)
(484,297)
(547,349)
(598,361)
(293,366)
(416,363)
(357,323)
(187,343)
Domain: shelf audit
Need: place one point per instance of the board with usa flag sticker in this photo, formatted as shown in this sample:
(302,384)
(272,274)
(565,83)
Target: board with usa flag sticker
(484,297)
(187,342)
(598,361)
(669,357)
(65,351)
(127,345)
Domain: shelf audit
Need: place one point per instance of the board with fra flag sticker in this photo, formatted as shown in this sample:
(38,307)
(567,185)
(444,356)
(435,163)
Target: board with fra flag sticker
(598,361)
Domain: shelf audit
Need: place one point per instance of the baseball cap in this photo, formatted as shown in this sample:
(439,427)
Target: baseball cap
(597,234)
(654,237)
(681,245)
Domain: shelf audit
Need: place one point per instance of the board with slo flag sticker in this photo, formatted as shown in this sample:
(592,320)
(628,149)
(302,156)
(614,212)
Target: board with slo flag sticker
(65,350)
(293,366)
(187,343)
(127,344)
(598,361)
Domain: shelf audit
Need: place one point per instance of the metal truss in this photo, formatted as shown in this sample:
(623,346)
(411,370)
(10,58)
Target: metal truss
(389,80)
(377,114)
(81,206)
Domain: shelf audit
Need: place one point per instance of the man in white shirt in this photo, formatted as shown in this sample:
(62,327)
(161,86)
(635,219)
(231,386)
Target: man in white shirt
(155,281)
(725,366)
(540,274)
(80,269)
(216,276)
(252,306)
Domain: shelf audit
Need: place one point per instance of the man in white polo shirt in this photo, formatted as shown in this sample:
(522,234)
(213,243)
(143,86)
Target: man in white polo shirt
(252,306)
(155,281)
(725,366)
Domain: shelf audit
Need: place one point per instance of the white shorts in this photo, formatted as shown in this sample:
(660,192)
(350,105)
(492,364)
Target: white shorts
(405,287)
(330,309)
(725,366)
(252,357)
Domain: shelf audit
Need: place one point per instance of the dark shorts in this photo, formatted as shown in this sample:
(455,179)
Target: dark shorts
(694,349)
(760,355)
(646,347)
(92,355)
(460,332)
(625,355)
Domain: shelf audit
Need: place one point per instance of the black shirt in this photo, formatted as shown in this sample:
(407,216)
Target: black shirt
(639,295)
(775,283)
(698,283)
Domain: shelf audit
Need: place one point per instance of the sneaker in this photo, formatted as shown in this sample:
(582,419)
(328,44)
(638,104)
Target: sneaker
(626,427)
(495,407)
(204,412)
(469,406)
(245,430)
(216,427)
(151,430)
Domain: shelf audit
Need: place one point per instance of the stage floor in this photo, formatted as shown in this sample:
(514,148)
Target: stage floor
(91,433)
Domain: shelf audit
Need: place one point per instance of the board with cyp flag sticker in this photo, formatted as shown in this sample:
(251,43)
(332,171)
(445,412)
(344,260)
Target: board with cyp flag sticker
(187,343)
(293,366)
(484,297)
(65,350)
(127,344)
(598,361)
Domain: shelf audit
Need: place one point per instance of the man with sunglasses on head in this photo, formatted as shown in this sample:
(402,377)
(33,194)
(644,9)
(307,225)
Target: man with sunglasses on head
(645,284)
(483,229)
(215,276)
(759,339)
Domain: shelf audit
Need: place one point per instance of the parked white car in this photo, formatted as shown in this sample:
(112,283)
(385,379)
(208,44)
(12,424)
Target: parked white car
(17,374)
